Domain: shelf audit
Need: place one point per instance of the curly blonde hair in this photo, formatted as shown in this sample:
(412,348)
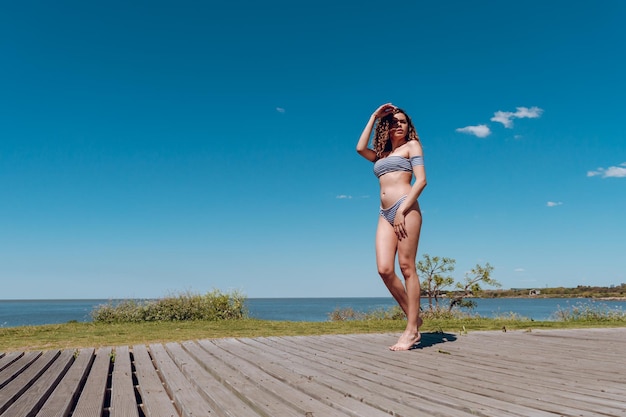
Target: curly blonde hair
(382,144)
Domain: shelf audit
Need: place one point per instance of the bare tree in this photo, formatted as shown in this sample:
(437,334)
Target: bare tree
(434,270)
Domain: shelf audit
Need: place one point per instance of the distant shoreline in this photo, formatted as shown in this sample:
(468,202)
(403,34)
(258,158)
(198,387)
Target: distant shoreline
(20,313)
(443,296)
(560,296)
(555,296)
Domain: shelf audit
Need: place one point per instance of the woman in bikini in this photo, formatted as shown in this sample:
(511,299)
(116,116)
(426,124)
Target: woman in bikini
(397,155)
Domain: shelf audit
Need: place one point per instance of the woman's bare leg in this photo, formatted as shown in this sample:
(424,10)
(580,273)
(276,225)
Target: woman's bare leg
(407,253)
(386,248)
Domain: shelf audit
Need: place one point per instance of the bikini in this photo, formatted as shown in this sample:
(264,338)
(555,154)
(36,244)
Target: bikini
(395,163)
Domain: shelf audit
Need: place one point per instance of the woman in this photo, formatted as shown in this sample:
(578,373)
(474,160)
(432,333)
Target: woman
(397,156)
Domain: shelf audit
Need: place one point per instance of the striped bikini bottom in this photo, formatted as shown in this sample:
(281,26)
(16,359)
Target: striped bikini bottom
(390,213)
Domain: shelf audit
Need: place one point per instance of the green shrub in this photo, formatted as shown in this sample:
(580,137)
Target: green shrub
(211,306)
(585,312)
(440,313)
(396,313)
(511,316)
(346,314)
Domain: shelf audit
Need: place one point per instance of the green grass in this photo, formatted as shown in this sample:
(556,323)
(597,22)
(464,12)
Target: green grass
(77,335)
(219,315)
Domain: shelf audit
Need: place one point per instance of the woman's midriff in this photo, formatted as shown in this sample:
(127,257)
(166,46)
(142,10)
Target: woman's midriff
(394,185)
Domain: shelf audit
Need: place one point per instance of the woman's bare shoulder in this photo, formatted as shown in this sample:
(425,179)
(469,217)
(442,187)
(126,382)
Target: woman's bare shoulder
(414,148)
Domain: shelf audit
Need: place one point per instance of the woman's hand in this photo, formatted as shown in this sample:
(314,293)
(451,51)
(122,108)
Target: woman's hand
(399,226)
(383,110)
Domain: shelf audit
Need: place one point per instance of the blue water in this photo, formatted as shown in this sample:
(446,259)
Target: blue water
(35,312)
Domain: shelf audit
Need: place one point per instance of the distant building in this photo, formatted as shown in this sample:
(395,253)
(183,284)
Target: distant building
(534,292)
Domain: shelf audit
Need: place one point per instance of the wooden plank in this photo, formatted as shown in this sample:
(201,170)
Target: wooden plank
(340,393)
(29,403)
(483,382)
(188,401)
(393,371)
(603,357)
(395,388)
(328,383)
(66,393)
(9,358)
(600,360)
(233,382)
(540,373)
(506,387)
(91,399)
(156,401)
(223,400)
(27,377)
(123,400)
(514,368)
(516,391)
(276,397)
(13,369)
(552,376)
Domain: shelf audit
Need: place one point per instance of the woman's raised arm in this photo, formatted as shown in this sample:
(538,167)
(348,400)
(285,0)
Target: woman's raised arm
(361,146)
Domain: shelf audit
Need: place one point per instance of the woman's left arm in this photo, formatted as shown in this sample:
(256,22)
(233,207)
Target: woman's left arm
(415,149)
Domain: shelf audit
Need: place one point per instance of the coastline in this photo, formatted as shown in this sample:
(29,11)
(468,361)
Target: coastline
(560,297)
(38,312)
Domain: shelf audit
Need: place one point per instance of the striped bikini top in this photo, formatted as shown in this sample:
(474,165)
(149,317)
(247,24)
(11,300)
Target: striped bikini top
(395,163)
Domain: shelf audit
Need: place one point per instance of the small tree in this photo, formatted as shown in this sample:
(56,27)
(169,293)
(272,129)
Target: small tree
(433,269)
(472,285)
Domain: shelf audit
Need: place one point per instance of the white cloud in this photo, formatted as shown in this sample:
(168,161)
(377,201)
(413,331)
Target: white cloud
(554,203)
(526,113)
(503,117)
(350,197)
(481,131)
(280,110)
(506,117)
(519,270)
(610,172)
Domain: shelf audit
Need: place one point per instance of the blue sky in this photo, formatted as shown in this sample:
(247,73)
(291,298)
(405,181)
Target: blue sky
(153,147)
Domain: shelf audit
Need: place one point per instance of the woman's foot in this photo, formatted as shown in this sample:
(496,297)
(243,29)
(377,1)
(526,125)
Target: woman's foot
(409,338)
(406,341)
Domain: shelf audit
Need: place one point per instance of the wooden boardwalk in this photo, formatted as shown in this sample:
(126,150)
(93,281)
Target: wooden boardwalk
(538,373)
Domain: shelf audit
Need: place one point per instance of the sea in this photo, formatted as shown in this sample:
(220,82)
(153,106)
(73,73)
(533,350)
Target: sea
(15,313)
